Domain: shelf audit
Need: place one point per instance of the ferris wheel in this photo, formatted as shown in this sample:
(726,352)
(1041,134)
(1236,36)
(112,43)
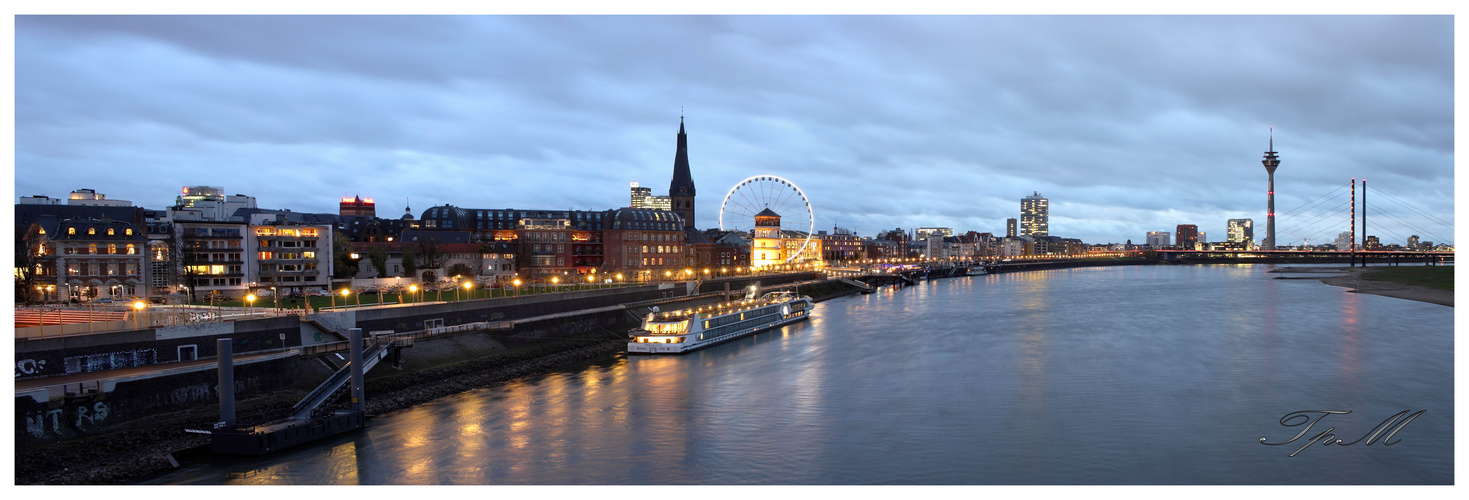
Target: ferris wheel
(754,195)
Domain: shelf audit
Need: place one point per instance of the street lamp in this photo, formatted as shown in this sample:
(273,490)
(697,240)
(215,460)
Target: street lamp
(517,287)
(277,296)
(412,291)
(138,310)
(468,285)
(554,281)
(249,303)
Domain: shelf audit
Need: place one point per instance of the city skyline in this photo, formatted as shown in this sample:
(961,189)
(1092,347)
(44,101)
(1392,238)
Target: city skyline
(1123,135)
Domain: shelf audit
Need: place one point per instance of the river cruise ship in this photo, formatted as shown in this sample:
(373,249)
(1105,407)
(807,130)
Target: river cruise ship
(688,329)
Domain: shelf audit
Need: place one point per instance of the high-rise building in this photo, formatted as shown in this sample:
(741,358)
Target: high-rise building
(1187,236)
(1158,239)
(1413,242)
(642,197)
(1270,162)
(1035,215)
(681,189)
(923,233)
(356,206)
(1010,228)
(1344,241)
(208,203)
(1242,231)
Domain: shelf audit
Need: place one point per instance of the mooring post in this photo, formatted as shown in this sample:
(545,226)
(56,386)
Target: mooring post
(226,356)
(355,337)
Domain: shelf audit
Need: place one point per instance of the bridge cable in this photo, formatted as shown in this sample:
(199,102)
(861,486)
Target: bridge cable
(1394,199)
(1310,222)
(1293,211)
(1309,225)
(1406,223)
(1327,229)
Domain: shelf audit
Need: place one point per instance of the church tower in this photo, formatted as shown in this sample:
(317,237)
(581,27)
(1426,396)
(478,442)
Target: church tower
(681,190)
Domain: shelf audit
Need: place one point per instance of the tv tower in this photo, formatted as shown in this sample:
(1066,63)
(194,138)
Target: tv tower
(1270,162)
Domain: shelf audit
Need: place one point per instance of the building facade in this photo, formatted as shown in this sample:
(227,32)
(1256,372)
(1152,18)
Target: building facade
(289,258)
(1035,218)
(1187,236)
(1159,239)
(1241,231)
(86,259)
(642,197)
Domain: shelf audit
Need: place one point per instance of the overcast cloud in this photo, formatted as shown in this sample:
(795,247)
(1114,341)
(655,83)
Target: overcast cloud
(1127,124)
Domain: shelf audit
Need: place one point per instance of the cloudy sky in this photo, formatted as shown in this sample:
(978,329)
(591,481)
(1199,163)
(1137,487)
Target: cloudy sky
(1127,124)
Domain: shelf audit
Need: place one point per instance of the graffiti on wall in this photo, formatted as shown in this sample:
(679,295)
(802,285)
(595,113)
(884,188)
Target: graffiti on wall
(27,367)
(67,420)
(111,360)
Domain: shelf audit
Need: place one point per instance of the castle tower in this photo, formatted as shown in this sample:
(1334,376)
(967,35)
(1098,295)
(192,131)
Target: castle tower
(681,190)
(766,248)
(1270,162)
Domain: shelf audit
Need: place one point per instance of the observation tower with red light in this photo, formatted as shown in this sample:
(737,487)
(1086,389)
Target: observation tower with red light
(1270,161)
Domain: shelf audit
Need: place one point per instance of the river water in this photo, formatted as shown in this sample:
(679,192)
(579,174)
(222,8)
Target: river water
(1121,375)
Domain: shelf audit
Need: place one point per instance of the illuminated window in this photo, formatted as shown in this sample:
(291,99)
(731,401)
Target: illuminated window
(92,249)
(92,230)
(131,250)
(265,255)
(71,230)
(41,230)
(310,255)
(110,232)
(128,231)
(111,249)
(264,231)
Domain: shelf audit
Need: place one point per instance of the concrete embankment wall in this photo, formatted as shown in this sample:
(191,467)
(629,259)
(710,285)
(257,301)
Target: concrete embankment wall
(537,318)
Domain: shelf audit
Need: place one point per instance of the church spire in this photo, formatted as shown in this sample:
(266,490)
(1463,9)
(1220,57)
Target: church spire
(681,189)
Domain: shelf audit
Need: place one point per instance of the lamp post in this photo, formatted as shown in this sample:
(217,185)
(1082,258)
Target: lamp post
(517,287)
(277,296)
(249,303)
(555,280)
(468,286)
(413,292)
(137,311)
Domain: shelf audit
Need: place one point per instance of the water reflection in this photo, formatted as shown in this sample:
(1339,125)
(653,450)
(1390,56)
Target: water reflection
(1155,375)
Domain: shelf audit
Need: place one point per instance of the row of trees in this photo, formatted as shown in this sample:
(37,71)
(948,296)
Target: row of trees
(426,255)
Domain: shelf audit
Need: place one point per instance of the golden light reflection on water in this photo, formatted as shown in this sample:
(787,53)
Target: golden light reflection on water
(1351,341)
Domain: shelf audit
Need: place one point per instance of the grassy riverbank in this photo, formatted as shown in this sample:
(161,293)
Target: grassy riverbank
(1439,277)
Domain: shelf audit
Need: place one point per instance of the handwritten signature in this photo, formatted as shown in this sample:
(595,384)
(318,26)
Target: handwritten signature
(1295,419)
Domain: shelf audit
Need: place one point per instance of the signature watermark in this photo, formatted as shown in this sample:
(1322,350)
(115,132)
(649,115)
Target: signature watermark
(1391,426)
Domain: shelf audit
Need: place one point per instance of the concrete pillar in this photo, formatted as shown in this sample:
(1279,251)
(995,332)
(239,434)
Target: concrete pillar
(355,337)
(226,356)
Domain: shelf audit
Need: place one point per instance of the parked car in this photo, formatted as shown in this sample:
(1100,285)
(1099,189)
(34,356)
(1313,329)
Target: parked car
(104,300)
